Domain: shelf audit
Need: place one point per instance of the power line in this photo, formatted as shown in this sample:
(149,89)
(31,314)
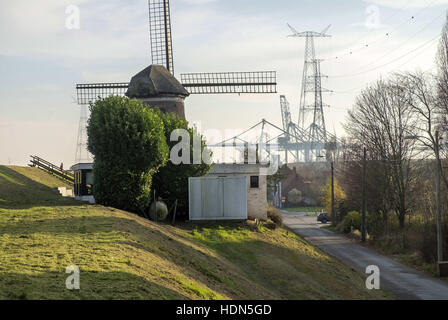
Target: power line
(401,45)
(388,63)
(413,57)
(371,30)
(419,52)
(410,38)
(387,34)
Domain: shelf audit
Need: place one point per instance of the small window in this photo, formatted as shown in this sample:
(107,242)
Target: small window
(254,182)
(89,177)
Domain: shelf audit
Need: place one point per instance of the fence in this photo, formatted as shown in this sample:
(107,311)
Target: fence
(50,168)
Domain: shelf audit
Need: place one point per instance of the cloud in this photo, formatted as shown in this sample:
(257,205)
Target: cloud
(408,3)
(196,2)
(24,137)
(109,30)
(369,26)
(113,44)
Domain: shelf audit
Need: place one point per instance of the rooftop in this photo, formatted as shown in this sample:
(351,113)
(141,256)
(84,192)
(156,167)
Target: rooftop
(155,80)
(230,168)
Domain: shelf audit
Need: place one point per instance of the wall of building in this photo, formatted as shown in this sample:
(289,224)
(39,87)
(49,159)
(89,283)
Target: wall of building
(257,200)
(167,104)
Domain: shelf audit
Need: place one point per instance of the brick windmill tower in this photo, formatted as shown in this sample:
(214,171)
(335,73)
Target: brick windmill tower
(156,85)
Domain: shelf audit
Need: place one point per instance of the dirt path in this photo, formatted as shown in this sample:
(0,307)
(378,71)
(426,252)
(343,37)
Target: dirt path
(402,281)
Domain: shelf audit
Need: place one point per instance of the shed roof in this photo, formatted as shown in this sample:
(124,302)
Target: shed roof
(238,169)
(81,166)
(153,81)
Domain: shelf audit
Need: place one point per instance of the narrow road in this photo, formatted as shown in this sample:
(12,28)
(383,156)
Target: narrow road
(402,281)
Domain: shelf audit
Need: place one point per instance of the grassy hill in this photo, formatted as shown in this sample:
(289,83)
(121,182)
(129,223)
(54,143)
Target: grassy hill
(123,256)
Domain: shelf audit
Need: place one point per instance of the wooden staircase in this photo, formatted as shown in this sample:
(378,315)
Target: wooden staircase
(65,175)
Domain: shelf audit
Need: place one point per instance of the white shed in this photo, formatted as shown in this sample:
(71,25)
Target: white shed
(217,198)
(230,187)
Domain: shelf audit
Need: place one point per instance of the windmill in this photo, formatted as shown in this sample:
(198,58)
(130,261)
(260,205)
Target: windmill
(166,88)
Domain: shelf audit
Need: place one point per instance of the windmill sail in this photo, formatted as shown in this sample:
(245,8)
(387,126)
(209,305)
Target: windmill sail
(195,83)
(230,82)
(160,34)
(90,92)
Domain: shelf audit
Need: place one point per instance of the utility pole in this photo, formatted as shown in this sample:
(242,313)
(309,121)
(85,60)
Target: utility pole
(279,194)
(363,219)
(333,212)
(438,202)
(442,266)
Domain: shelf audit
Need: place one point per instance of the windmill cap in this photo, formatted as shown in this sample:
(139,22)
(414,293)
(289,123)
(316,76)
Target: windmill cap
(153,81)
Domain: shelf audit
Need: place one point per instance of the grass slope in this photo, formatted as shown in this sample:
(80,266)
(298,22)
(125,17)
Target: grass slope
(123,256)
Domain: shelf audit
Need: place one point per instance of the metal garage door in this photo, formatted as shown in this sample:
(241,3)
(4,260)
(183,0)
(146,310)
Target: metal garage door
(213,198)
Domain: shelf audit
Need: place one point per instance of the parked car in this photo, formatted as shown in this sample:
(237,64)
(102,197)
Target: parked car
(323,217)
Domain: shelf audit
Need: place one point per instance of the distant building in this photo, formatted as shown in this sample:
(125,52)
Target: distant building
(294,186)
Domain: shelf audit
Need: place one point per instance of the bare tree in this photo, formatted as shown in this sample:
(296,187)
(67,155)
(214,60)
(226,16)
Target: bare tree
(377,183)
(442,88)
(442,76)
(425,101)
(380,120)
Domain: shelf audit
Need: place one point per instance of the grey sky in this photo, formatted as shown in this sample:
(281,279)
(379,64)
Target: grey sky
(41,60)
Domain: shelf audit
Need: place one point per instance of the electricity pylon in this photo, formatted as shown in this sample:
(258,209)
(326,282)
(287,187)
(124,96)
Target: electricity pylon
(82,154)
(311,94)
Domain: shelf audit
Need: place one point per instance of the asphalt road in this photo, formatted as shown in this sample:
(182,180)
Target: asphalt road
(402,281)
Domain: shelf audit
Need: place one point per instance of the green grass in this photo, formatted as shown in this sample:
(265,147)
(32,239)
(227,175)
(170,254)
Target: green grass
(331,228)
(25,187)
(415,260)
(304,209)
(313,214)
(123,256)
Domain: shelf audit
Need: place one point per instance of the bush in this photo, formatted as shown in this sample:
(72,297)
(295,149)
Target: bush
(270,225)
(375,223)
(171,181)
(294,196)
(129,145)
(341,210)
(428,244)
(352,219)
(275,215)
(121,188)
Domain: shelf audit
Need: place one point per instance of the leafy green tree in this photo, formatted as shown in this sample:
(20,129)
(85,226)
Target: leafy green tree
(339,195)
(272,180)
(129,145)
(171,181)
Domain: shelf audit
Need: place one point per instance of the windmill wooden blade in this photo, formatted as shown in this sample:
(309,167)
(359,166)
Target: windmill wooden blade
(230,82)
(91,92)
(195,83)
(160,33)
